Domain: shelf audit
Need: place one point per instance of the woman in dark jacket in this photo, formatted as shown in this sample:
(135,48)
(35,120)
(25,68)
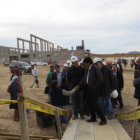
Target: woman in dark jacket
(15,88)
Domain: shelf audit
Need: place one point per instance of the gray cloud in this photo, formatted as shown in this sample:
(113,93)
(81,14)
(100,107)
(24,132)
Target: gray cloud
(107,26)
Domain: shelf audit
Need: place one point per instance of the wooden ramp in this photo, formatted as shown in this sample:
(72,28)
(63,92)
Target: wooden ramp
(81,130)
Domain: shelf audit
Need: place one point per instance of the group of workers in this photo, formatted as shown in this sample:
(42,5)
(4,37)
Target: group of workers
(94,88)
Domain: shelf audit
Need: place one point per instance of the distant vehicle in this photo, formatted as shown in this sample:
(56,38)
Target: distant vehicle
(23,66)
(6,63)
(39,63)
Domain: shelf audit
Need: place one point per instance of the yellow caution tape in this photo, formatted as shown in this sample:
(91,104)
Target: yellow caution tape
(8,102)
(38,106)
(45,109)
(131,116)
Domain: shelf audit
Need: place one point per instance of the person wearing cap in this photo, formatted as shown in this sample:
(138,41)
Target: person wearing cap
(35,76)
(74,76)
(15,88)
(118,83)
(69,63)
(106,89)
(93,80)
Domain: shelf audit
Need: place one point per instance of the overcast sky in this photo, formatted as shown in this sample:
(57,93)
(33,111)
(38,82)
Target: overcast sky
(107,26)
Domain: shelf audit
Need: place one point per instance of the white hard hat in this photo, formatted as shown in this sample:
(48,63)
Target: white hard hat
(104,63)
(66,65)
(68,61)
(97,60)
(73,59)
(114,94)
(118,66)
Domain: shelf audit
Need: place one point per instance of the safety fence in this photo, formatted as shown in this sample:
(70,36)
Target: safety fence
(24,101)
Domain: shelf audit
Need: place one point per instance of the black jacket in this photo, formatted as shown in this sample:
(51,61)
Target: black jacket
(121,69)
(137,88)
(95,78)
(74,76)
(118,81)
(136,73)
(57,98)
(108,82)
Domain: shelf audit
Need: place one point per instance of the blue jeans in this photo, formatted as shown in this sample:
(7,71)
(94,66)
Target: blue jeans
(106,105)
(77,103)
(64,118)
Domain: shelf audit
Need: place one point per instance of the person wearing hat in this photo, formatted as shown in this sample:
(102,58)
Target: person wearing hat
(35,76)
(15,88)
(74,76)
(93,80)
(118,83)
(106,89)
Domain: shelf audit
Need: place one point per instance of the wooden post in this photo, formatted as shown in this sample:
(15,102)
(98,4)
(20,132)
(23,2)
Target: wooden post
(135,130)
(23,119)
(59,128)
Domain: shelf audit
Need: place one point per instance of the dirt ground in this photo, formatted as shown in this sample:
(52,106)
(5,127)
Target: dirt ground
(7,124)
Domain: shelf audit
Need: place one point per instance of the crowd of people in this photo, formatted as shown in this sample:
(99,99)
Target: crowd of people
(91,86)
(94,88)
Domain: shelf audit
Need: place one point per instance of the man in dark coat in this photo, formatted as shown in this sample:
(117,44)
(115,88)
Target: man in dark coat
(120,65)
(106,88)
(93,80)
(74,76)
(118,83)
(137,65)
(137,89)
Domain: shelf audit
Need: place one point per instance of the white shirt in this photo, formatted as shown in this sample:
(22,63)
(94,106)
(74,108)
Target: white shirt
(34,72)
(88,73)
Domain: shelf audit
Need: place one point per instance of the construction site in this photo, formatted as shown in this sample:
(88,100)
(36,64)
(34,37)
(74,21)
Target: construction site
(39,49)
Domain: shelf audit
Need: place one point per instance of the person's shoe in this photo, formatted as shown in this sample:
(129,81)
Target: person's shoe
(82,117)
(74,117)
(31,87)
(37,86)
(92,120)
(103,122)
(110,117)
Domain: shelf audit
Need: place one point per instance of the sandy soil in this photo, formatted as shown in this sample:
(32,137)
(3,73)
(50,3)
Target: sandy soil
(7,124)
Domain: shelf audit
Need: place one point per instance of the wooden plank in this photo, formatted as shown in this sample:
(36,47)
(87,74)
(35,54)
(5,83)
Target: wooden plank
(105,132)
(59,128)
(31,136)
(119,130)
(70,132)
(84,131)
(23,121)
